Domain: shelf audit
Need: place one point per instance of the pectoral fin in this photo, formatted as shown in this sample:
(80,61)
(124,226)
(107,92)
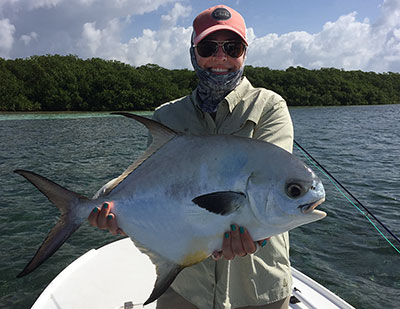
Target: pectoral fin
(221,203)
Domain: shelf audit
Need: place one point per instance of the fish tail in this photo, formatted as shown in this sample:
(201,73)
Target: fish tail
(66,201)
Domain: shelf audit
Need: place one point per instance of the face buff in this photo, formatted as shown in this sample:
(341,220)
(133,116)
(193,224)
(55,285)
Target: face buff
(213,88)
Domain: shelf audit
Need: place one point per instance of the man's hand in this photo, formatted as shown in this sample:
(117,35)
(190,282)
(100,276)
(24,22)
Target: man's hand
(237,242)
(104,219)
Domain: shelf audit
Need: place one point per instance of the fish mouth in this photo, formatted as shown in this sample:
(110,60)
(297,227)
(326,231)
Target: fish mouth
(310,207)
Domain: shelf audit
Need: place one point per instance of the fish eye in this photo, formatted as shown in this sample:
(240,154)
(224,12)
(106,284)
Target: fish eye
(294,190)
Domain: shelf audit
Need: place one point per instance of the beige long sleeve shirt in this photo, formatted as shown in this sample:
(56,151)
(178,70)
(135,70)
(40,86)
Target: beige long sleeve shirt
(256,279)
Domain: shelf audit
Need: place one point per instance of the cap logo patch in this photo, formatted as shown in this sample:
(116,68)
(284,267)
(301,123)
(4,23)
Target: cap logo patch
(221,14)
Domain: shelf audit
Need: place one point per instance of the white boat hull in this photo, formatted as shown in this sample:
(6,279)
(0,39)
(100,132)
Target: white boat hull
(107,278)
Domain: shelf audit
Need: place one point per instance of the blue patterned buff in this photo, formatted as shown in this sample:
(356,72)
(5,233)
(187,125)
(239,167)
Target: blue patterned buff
(213,88)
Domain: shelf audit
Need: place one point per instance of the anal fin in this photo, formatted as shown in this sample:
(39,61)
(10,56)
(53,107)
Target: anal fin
(166,274)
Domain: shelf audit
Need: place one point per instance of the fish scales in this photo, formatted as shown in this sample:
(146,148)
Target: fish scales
(196,172)
(170,194)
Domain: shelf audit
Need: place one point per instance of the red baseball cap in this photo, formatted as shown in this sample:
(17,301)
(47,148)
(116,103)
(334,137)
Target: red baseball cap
(219,17)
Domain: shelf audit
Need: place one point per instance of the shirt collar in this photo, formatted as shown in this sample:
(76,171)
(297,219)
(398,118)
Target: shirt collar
(236,95)
(232,99)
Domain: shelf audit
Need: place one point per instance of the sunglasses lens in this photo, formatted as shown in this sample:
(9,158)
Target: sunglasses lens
(206,48)
(233,49)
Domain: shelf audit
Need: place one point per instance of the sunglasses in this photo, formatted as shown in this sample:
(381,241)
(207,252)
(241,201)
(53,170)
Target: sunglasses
(207,48)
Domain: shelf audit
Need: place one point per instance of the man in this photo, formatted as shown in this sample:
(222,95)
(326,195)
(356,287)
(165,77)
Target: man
(225,102)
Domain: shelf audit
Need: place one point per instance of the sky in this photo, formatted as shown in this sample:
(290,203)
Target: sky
(344,34)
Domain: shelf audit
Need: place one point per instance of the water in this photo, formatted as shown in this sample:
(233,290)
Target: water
(359,145)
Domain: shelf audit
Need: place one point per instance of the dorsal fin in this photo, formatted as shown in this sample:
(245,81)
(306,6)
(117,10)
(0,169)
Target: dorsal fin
(159,132)
(160,135)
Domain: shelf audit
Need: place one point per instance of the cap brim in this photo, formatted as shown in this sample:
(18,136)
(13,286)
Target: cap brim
(212,29)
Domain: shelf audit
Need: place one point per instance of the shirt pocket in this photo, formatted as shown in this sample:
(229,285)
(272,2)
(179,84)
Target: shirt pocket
(246,129)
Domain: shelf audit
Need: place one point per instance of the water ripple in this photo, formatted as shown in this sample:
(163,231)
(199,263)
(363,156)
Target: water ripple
(360,145)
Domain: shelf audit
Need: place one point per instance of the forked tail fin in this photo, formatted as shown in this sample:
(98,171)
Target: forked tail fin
(69,222)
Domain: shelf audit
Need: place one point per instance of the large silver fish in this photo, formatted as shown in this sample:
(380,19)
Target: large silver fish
(177,200)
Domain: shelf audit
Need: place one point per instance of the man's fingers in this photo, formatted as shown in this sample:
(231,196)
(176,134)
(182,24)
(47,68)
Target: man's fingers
(263,242)
(227,246)
(237,242)
(112,224)
(237,246)
(247,241)
(102,217)
(93,216)
(121,232)
(217,255)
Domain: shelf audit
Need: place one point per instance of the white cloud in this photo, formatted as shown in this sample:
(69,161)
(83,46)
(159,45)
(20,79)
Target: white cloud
(27,38)
(345,43)
(167,47)
(35,4)
(97,28)
(6,37)
(91,36)
(100,41)
(177,12)
(59,24)
(19,5)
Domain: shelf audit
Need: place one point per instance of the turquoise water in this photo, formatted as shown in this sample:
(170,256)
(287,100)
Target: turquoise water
(359,145)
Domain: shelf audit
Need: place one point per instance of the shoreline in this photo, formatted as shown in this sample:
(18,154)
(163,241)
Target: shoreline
(151,111)
(60,115)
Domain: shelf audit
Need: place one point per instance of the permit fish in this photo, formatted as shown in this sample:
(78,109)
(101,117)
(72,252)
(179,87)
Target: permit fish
(176,201)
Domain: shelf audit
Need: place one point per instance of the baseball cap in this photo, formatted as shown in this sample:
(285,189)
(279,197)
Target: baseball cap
(219,17)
